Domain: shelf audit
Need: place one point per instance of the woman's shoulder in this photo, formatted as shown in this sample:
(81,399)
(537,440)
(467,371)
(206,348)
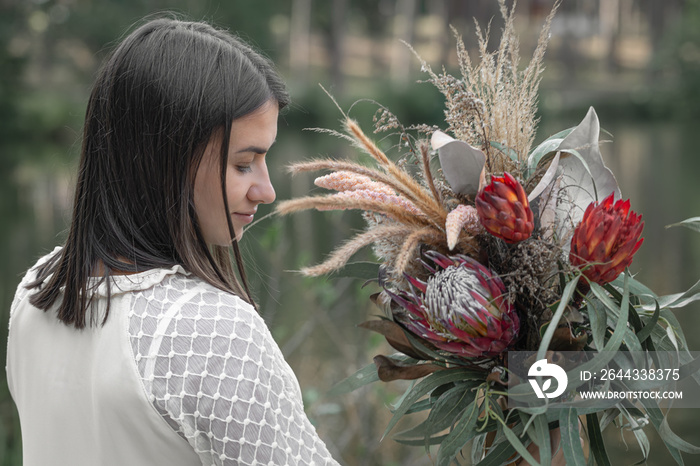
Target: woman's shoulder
(186,297)
(30,276)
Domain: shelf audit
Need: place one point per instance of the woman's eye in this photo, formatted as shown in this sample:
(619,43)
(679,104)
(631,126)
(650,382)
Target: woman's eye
(243,168)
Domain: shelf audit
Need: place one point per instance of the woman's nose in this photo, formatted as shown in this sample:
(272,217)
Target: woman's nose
(262,190)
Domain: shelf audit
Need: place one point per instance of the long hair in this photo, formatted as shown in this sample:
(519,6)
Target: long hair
(167,89)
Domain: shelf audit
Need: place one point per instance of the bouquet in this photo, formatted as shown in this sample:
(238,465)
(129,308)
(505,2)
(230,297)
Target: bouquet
(487,248)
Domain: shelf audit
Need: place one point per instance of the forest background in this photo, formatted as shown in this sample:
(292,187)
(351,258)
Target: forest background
(636,61)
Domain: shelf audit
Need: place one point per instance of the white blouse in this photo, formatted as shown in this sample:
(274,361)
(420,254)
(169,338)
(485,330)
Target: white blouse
(181,373)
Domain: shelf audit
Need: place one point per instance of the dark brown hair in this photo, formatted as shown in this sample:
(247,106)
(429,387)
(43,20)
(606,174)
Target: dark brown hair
(167,89)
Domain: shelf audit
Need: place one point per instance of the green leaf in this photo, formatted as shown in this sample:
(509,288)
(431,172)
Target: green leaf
(636,287)
(677,300)
(444,412)
(548,146)
(422,405)
(437,440)
(670,437)
(464,431)
(599,323)
(537,428)
(571,437)
(656,416)
(645,332)
(596,442)
(518,445)
(510,152)
(549,333)
(607,353)
(427,385)
(498,455)
(692,223)
(362,377)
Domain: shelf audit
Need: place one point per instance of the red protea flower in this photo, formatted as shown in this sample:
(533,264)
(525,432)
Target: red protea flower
(504,209)
(606,239)
(462,308)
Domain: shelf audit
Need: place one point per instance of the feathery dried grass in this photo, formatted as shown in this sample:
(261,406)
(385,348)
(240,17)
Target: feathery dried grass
(402,229)
(340,256)
(406,187)
(332,202)
(408,248)
(495,101)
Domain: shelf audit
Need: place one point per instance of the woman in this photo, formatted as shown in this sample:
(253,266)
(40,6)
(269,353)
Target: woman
(135,343)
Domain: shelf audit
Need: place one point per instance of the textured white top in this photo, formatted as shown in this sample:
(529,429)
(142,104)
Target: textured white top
(174,349)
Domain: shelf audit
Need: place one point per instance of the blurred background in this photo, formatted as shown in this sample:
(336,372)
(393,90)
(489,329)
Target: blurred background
(636,61)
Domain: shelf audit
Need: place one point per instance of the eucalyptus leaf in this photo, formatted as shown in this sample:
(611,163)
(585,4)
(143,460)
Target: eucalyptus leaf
(538,430)
(423,405)
(443,413)
(437,440)
(656,416)
(599,323)
(549,333)
(545,148)
(692,223)
(645,332)
(462,165)
(596,442)
(464,431)
(498,455)
(424,387)
(607,353)
(677,300)
(519,446)
(511,153)
(362,377)
(571,437)
(671,438)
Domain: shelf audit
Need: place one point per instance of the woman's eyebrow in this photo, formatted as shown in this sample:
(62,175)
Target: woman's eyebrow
(255,149)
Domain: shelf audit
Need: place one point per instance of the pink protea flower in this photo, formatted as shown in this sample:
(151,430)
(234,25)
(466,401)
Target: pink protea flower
(606,239)
(504,209)
(461,309)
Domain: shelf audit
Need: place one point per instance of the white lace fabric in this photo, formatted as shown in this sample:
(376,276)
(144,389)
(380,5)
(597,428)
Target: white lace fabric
(210,367)
(212,370)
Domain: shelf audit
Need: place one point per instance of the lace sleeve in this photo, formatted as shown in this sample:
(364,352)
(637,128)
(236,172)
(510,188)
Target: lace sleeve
(213,371)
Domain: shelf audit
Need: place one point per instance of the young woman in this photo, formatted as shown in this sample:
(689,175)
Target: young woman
(135,343)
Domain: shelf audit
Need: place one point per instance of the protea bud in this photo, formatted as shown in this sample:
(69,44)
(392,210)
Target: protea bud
(606,239)
(462,308)
(504,209)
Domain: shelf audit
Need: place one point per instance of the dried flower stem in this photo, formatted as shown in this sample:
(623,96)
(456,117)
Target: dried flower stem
(433,211)
(411,242)
(427,174)
(407,186)
(333,202)
(341,255)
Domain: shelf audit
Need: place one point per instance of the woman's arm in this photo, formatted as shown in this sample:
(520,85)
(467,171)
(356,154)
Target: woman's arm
(216,375)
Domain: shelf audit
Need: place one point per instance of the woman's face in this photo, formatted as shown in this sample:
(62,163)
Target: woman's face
(247,180)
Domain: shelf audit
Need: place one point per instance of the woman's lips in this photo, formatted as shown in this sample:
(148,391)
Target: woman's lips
(243,217)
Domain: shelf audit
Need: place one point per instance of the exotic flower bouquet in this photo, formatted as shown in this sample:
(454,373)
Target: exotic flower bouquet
(487,247)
